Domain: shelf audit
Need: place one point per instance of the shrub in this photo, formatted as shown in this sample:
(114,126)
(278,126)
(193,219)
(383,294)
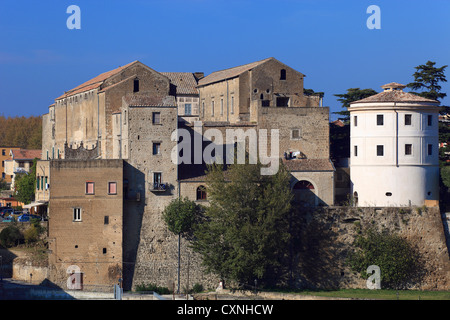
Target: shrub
(399,262)
(10,236)
(197,288)
(152,287)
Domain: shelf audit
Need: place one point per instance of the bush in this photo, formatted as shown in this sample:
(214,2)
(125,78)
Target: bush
(152,287)
(10,236)
(197,288)
(398,261)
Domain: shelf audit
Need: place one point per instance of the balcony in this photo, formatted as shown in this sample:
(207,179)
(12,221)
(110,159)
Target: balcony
(159,187)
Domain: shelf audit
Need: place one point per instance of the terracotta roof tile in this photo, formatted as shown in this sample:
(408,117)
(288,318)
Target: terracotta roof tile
(184,81)
(143,100)
(229,73)
(308,165)
(395,94)
(26,154)
(94,82)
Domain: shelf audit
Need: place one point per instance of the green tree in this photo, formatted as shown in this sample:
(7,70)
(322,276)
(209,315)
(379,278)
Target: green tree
(353,94)
(399,262)
(25,184)
(179,216)
(245,231)
(428,78)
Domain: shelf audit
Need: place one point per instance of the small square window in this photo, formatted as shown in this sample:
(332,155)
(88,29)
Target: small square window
(380,119)
(156,148)
(156,118)
(295,134)
(112,187)
(89,187)
(76,214)
(380,150)
(408,119)
(408,149)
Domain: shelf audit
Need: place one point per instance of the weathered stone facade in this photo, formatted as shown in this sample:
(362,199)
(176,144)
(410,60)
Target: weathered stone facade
(132,114)
(86,221)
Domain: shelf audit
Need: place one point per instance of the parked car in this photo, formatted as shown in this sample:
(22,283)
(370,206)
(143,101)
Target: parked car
(6,212)
(10,218)
(26,217)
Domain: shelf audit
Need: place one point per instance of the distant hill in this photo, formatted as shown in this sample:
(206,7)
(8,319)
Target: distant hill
(21,132)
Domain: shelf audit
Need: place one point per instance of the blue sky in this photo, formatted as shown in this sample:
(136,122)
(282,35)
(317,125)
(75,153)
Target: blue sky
(326,40)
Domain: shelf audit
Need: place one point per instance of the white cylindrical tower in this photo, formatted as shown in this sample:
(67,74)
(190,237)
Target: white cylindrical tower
(394,149)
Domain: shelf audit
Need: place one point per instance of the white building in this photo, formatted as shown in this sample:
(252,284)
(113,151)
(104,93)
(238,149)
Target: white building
(394,149)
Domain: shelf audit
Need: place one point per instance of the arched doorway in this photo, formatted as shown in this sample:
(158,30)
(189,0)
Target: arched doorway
(305,193)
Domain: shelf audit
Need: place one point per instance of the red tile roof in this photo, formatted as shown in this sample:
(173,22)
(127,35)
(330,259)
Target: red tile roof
(184,81)
(142,100)
(229,73)
(24,154)
(94,82)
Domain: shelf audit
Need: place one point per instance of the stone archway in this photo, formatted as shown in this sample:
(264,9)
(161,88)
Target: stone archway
(305,193)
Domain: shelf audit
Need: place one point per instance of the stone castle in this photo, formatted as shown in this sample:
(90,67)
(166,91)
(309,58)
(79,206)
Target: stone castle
(107,155)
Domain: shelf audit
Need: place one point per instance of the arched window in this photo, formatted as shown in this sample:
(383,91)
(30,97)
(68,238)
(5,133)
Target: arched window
(201,193)
(303,185)
(283,74)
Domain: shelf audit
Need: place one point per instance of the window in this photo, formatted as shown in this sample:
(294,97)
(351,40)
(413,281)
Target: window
(221,107)
(3,164)
(408,119)
(355,150)
(89,187)
(21,164)
(355,121)
(232,104)
(201,193)
(212,108)
(265,103)
(295,134)
(76,214)
(187,109)
(283,74)
(156,117)
(136,85)
(106,220)
(203,109)
(430,120)
(380,120)
(112,187)
(388,194)
(156,148)
(408,149)
(3,152)
(157,179)
(38,181)
(282,101)
(104,250)
(380,150)
(430,149)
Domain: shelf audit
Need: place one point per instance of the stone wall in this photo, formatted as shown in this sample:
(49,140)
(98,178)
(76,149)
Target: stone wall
(328,234)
